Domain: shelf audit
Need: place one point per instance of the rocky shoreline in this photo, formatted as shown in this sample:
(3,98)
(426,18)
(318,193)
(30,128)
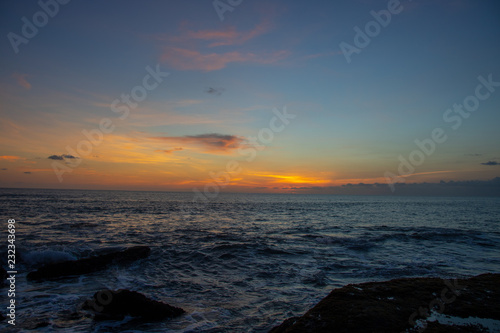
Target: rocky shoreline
(405,305)
(399,305)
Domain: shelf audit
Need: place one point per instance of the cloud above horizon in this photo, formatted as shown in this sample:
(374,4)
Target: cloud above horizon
(491,163)
(211,142)
(448,188)
(11,158)
(168,151)
(61,157)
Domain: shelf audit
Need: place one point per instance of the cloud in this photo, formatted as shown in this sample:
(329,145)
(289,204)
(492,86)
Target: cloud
(168,151)
(223,37)
(21,80)
(491,163)
(212,142)
(291,178)
(214,91)
(27,172)
(11,158)
(61,157)
(196,50)
(443,188)
(185,59)
(4,169)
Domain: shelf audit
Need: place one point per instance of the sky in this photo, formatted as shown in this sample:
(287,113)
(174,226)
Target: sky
(353,96)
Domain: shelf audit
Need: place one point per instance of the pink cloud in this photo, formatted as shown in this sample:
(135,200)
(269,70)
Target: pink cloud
(226,36)
(230,36)
(212,142)
(194,50)
(21,80)
(195,60)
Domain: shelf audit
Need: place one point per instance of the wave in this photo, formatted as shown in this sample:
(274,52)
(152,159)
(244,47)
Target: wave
(39,258)
(365,241)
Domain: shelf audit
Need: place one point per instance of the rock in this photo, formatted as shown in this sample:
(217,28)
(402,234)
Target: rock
(115,305)
(89,265)
(395,306)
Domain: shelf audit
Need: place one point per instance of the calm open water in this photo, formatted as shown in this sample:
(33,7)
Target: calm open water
(242,263)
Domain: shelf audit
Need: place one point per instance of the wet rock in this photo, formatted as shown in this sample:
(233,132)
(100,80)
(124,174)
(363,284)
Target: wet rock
(116,304)
(89,265)
(400,304)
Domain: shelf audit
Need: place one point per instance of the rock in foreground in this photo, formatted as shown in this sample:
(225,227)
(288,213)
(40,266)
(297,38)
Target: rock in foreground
(396,306)
(89,265)
(111,304)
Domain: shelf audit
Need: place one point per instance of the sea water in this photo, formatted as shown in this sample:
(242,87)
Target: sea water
(241,262)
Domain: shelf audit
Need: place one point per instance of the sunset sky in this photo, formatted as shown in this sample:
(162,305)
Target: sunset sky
(278,71)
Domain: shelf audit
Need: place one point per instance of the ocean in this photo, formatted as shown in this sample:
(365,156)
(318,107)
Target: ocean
(240,263)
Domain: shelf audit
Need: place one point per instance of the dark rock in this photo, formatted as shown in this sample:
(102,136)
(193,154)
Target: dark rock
(89,265)
(115,305)
(394,306)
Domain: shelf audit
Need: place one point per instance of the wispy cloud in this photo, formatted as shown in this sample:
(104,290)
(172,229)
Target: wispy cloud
(291,178)
(168,151)
(185,59)
(61,157)
(228,35)
(491,163)
(21,80)
(197,50)
(11,158)
(449,188)
(212,142)
(214,91)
